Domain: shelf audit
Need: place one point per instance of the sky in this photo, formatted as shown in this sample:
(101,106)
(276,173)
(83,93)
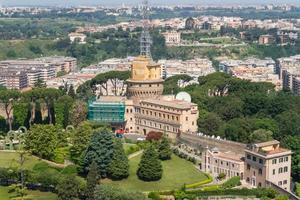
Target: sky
(135,2)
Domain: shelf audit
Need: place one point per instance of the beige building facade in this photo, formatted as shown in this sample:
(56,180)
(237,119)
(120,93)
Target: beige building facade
(216,162)
(268,162)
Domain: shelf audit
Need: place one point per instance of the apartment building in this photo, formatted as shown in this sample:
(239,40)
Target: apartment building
(42,68)
(215,162)
(172,38)
(268,162)
(289,73)
(13,79)
(61,63)
(266,39)
(194,67)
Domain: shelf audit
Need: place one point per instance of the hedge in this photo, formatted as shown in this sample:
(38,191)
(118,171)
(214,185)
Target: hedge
(232,182)
(258,192)
(198,184)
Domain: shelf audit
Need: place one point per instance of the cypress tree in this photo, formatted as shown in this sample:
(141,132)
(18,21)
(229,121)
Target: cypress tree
(38,119)
(99,150)
(164,149)
(92,181)
(119,167)
(150,168)
(71,92)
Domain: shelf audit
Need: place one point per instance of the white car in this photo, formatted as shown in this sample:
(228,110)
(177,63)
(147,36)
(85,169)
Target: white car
(140,139)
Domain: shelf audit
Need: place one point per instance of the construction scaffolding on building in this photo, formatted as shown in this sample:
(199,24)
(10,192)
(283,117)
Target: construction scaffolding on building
(108,109)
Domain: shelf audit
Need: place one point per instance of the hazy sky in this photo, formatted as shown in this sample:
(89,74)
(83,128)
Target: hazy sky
(154,2)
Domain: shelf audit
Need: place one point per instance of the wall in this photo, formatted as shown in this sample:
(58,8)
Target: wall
(201,142)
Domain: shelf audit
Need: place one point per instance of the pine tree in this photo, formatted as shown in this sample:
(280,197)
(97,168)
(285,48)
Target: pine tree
(99,150)
(150,168)
(71,92)
(119,167)
(164,149)
(92,180)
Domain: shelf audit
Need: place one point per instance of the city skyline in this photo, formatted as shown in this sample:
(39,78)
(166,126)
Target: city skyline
(135,2)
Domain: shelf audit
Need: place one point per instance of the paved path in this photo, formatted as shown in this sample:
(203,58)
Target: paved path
(135,154)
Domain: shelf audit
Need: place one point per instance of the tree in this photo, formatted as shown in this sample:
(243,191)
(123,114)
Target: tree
(71,92)
(50,95)
(8,99)
(164,149)
(80,141)
(40,83)
(209,123)
(62,110)
(92,181)
(68,188)
(42,140)
(150,168)
(119,167)
(100,150)
(78,113)
(260,135)
(288,122)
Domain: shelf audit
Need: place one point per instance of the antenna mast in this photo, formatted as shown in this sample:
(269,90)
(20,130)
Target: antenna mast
(145,40)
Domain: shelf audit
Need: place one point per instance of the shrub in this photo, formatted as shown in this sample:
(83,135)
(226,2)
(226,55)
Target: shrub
(132,149)
(222,176)
(198,184)
(258,192)
(116,193)
(232,182)
(154,136)
(154,196)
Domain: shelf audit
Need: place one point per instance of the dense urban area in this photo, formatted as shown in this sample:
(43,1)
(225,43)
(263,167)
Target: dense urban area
(149,102)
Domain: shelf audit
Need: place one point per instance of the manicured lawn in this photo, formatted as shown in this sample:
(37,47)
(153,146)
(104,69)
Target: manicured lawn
(34,195)
(176,172)
(8,159)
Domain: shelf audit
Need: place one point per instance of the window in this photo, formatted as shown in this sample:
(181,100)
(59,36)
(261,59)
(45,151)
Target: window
(254,158)
(284,182)
(248,167)
(221,162)
(274,171)
(280,160)
(280,183)
(260,171)
(248,157)
(285,169)
(261,161)
(216,161)
(274,161)
(187,119)
(286,159)
(280,170)
(227,163)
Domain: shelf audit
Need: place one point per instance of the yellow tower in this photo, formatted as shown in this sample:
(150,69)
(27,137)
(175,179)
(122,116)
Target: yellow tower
(145,78)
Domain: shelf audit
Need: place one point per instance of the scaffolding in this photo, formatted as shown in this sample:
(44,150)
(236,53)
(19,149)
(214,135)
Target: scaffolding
(107,112)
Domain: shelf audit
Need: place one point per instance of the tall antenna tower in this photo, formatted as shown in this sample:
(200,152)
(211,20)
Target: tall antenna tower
(145,40)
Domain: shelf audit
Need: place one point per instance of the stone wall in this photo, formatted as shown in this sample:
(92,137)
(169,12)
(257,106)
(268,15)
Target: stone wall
(201,142)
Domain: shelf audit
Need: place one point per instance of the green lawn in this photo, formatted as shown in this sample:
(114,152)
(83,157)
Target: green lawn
(34,195)
(176,172)
(10,159)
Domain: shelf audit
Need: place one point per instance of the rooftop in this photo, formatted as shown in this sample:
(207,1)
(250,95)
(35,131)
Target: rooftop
(174,103)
